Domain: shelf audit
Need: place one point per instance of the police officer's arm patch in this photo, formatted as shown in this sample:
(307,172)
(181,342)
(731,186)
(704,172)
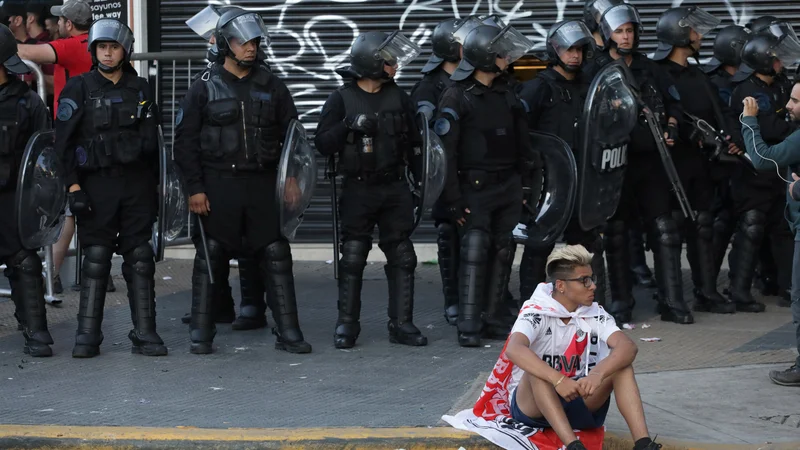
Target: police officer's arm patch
(442,126)
(673,92)
(179,117)
(764,103)
(66,108)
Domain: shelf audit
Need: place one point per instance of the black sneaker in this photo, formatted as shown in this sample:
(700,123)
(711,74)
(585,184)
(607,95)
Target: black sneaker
(788,377)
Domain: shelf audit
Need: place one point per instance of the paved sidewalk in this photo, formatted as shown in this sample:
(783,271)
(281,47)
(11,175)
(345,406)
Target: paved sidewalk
(702,383)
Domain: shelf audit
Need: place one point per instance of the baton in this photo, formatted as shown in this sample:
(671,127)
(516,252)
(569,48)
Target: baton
(204,243)
(331,175)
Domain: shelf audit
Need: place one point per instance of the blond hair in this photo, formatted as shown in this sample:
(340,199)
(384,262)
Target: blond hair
(562,261)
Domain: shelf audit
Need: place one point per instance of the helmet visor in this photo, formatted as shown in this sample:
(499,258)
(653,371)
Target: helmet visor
(700,21)
(463,28)
(618,16)
(204,22)
(245,28)
(398,50)
(571,34)
(599,7)
(788,50)
(780,29)
(111,30)
(494,20)
(510,44)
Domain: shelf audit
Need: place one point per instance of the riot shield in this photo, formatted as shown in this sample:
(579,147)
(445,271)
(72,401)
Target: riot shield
(433,173)
(546,215)
(173,208)
(297,178)
(609,116)
(41,194)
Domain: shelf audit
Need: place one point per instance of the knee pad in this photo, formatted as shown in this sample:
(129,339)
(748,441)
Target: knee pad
(142,260)
(475,246)
(217,257)
(97,261)
(503,247)
(615,235)
(27,262)
(354,257)
(753,223)
(447,233)
(278,256)
(705,225)
(667,231)
(402,255)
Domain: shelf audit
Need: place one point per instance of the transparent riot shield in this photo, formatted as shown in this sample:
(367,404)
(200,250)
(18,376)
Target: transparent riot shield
(297,179)
(41,193)
(434,170)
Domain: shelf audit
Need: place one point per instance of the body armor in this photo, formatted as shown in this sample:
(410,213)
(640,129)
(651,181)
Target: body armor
(562,109)
(245,131)
(14,121)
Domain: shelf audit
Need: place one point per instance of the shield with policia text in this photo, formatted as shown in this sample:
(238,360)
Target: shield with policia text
(41,192)
(433,171)
(548,208)
(297,179)
(609,116)
(173,207)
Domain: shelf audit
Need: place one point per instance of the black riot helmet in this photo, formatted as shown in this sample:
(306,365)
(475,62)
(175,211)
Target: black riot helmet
(565,35)
(728,47)
(444,44)
(761,51)
(484,44)
(110,30)
(374,49)
(8,52)
(615,17)
(675,26)
(244,26)
(593,11)
(761,24)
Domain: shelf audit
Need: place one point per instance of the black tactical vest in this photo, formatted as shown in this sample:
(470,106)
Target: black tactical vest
(112,131)
(386,151)
(14,134)
(240,130)
(488,134)
(561,111)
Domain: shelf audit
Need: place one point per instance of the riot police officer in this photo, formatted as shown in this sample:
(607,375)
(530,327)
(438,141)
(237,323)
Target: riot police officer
(593,11)
(228,142)
(760,199)
(369,124)
(646,189)
(720,69)
(252,308)
(106,132)
(425,95)
(680,32)
(483,127)
(555,100)
(22,114)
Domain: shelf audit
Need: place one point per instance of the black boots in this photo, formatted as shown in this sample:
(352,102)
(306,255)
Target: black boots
(351,271)
(275,265)
(700,247)
(747,244)
(24,273)
(138,269)
(472,286)
(401,307)
(252,308)
(618,257)
(668,272)
(94,281)
(448,244)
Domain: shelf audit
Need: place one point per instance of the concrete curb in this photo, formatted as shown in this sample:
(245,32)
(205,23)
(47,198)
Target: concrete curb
(118,438)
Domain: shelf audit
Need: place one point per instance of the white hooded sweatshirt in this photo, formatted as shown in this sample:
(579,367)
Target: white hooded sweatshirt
(563,346)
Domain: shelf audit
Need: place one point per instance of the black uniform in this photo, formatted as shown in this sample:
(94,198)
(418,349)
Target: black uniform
(646,195)
(425,95)
(485,135)
(22,113)
(760,199)
(699,98)
(228,144)
(108,136)
(555,105)
(373,164)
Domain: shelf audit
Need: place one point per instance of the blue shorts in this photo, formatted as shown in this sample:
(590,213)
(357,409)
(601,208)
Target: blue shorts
(579,416)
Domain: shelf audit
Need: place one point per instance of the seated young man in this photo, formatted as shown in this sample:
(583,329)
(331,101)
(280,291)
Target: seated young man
(569,356)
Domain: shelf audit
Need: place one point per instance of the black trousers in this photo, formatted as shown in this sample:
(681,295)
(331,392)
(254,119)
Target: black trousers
(364,205)
(124,206)
(9,236)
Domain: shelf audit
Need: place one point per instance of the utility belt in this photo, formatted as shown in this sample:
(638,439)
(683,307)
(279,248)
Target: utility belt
(237,171)
(477,178)
(376,178)
(115,171)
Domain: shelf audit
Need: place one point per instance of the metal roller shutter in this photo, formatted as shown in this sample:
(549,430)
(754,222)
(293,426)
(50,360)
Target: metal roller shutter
(311,37)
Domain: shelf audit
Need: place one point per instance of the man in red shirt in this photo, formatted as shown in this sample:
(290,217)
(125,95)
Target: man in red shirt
(70,55)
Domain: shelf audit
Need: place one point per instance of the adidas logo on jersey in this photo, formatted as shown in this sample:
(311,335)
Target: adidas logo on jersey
(548,332)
